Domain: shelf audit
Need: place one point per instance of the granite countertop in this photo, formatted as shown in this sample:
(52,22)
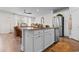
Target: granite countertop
(31,28)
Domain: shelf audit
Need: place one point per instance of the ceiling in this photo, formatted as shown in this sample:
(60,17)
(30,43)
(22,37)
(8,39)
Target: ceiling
(36,11)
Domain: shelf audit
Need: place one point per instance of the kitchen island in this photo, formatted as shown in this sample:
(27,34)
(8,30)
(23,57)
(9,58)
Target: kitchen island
(37,39)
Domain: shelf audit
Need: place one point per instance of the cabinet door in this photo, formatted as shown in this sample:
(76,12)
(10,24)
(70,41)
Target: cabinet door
(52,36)
(28,41)
(38,32)
(38,43)
(47,39)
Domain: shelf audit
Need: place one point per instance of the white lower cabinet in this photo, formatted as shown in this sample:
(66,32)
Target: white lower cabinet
(52,37)
(28,41)
(49,37)
(47,40)
(37,41)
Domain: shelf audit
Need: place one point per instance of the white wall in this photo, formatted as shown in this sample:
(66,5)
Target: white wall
(75,22)
(6,22)
(66,15)
(9,20)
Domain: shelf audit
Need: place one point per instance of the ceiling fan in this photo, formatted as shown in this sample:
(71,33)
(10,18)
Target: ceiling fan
(27,12)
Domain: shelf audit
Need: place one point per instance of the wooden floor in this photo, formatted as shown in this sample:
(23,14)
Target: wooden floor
(9,43)
(64,45)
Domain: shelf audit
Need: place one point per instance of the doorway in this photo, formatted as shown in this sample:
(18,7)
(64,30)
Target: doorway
(61,23)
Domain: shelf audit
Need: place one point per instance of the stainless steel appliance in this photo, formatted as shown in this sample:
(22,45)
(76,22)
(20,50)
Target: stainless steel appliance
(58,23)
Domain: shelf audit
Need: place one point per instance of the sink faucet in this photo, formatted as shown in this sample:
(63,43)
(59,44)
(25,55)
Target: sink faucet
(42,20)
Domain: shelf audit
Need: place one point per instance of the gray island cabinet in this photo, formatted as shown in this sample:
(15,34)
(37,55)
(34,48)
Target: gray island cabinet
(36,40)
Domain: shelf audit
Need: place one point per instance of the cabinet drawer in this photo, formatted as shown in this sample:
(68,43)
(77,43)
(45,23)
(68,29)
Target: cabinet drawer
(38,36)
(47,30)
(38,32)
